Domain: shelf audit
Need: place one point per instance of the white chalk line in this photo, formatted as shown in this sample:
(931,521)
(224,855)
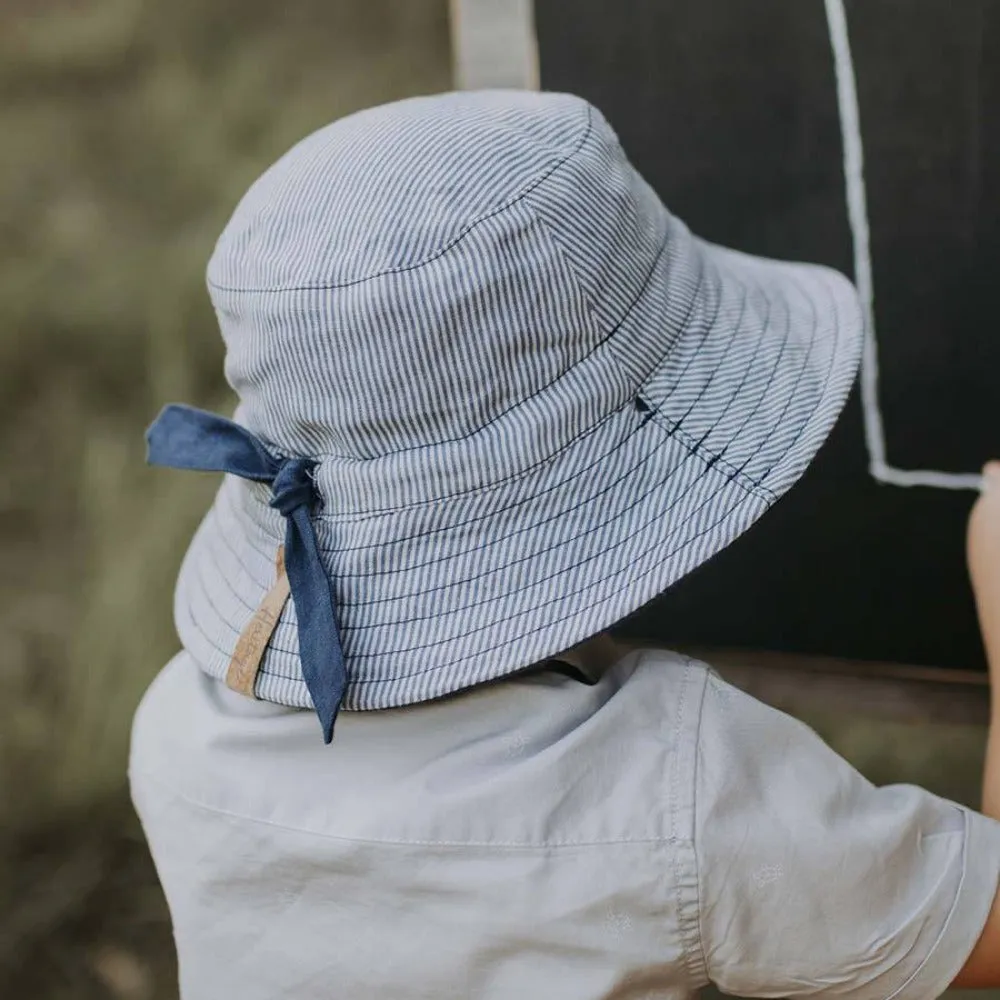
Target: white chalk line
(857,212)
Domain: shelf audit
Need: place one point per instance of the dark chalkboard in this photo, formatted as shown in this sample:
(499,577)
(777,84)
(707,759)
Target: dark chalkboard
(731,109)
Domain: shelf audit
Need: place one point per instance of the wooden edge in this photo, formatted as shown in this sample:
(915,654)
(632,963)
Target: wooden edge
(809,685)
(493,44)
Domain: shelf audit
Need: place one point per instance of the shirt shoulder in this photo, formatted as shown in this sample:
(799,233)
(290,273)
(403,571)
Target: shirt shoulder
(814,882)
(536,760)
(543,809)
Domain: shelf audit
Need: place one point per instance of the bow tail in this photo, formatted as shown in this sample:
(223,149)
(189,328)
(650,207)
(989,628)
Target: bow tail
(183,437)
(320,649)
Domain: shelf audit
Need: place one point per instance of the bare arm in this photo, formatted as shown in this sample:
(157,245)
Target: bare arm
(984,569)
(983,968)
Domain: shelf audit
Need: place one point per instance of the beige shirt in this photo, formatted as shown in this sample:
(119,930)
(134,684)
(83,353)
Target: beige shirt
(546,838)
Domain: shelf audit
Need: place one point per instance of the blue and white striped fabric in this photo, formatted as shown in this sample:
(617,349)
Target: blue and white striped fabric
(534,399)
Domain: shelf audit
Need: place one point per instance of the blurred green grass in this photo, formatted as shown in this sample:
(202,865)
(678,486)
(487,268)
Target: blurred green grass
(129,130)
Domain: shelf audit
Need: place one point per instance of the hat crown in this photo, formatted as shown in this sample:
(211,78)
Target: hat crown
(413,272)
(388,187)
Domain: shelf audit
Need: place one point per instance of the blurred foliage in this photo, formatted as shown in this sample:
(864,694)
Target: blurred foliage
(130,129)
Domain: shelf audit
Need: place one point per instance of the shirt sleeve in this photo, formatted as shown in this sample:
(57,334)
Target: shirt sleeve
(812,881)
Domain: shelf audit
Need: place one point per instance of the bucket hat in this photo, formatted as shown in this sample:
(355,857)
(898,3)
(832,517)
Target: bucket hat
(493,398)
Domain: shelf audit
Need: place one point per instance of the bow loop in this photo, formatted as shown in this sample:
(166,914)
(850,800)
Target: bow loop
(186,438)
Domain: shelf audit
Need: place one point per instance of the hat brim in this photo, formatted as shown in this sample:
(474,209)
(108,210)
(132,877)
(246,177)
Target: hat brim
(443,595)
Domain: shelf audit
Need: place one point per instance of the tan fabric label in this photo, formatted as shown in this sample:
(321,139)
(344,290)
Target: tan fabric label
(242,673)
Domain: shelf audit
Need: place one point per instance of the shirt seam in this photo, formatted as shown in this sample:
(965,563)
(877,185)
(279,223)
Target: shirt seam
(675,860)
(387,842)
(942,936)
(701,958)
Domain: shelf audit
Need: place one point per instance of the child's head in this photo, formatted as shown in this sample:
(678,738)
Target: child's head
(506,396)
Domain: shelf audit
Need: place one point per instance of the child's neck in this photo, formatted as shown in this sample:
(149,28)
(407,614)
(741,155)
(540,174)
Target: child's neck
(595,655)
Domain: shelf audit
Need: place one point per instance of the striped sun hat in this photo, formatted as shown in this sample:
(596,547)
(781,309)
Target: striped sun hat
(493,397)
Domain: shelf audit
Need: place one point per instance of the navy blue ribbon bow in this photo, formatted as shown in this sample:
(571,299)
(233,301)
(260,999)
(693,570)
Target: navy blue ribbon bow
(182,437)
